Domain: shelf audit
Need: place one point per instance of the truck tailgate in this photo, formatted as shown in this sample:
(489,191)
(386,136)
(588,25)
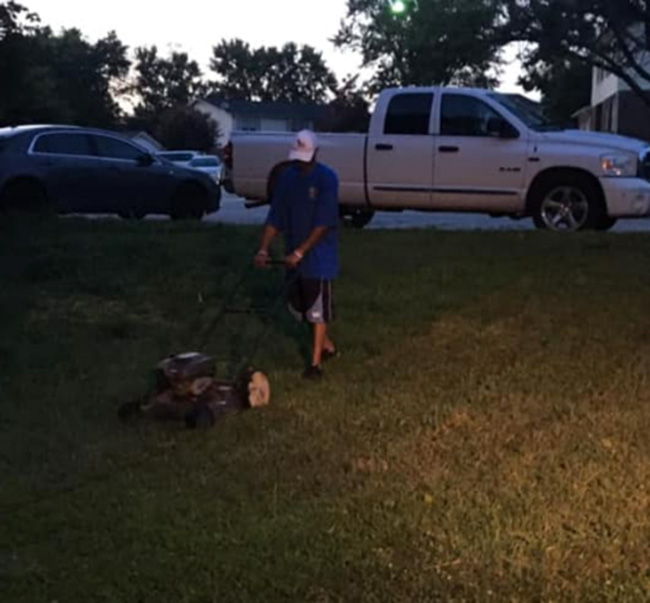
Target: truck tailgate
(254,155)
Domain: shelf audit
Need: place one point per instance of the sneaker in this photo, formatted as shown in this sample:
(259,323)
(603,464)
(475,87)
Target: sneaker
(313,373)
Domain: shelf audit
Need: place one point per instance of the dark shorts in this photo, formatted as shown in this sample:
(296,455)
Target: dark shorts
(311,300)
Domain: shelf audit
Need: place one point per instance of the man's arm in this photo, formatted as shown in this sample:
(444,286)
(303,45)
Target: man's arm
(268,234)
(306,246)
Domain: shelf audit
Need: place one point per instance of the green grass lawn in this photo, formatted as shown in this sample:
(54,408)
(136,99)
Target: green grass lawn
(485,435)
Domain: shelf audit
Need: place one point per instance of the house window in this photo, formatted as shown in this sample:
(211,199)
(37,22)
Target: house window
(300,124)
(249,124)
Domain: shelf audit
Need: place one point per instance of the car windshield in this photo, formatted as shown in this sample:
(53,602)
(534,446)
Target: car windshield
(527,110)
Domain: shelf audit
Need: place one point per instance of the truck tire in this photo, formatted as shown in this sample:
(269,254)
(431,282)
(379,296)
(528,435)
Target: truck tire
(189,202)
(567,203)
(356,218)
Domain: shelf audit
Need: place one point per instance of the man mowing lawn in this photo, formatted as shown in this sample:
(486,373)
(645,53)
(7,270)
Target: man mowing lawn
(304,207)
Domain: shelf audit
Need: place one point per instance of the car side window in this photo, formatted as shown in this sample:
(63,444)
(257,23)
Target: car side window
(463,115)
(111,148)
(409,113)
(64,144)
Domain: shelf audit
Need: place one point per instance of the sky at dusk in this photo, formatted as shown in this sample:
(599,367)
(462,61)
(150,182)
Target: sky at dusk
(195,26)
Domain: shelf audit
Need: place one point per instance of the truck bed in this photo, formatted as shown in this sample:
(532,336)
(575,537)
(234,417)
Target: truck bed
(256,153)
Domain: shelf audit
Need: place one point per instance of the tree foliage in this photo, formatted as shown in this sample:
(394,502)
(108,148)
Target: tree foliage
(292,73)
(164,83)
(611,35)
(349,111)
(433,42)
(63,78)
(182,127)
(564,83)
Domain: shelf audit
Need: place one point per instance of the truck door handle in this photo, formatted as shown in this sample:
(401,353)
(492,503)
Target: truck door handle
(448,149)
(384,147)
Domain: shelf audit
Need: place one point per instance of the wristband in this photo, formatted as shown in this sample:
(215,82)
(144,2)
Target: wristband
(298,254)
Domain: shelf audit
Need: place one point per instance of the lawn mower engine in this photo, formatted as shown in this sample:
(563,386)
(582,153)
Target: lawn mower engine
(185,389)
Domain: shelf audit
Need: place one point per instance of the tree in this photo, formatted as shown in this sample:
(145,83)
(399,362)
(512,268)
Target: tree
(613,36)
(290,74)
(184,128)
(85,74)
(565,84)
(429,42)
(56,78)
(164,83)
(349,111)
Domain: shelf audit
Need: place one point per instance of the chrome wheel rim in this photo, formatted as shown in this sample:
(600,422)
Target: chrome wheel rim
(565,208)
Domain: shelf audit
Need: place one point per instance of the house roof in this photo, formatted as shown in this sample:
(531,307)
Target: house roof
(268,110)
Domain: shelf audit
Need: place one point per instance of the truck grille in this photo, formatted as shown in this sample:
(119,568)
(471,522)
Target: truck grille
(644,165)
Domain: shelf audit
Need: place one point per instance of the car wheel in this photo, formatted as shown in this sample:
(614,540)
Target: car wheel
(356,218)
(189,203)
(567,203)
(24,196)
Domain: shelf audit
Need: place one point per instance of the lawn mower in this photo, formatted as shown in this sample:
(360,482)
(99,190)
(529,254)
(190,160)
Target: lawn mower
(185,386)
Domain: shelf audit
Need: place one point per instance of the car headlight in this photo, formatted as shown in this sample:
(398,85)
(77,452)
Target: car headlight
(619,165)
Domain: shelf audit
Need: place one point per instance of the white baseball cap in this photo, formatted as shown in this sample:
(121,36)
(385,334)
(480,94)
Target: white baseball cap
(304,146)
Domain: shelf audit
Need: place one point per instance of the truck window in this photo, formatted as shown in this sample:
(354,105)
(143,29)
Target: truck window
(463,115)
(409,114)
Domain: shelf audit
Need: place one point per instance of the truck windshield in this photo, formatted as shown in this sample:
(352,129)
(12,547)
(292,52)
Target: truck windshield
(528,111)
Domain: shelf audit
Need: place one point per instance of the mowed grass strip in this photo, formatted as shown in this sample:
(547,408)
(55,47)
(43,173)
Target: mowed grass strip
(483,437)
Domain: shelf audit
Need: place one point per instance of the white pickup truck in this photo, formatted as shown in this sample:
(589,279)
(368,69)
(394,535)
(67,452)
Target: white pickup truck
(466,150)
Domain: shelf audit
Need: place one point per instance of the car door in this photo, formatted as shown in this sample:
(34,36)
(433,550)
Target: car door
(480,157)
(68,167)
(401,152)
(135,182)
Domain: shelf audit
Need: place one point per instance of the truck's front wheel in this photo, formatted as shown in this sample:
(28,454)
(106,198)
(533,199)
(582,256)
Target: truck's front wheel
(567,203)
(356,218)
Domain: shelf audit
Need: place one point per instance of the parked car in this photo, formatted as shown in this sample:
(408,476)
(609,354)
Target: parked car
(182,158)
(210,164)
(82,170)
(465,150)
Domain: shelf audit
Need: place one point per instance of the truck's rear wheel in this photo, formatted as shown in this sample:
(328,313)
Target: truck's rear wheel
(567,203)
(356,218)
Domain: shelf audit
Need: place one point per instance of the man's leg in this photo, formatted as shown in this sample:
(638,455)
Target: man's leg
(320,339)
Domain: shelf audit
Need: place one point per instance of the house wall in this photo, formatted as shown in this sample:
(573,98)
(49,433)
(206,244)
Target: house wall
(262,124)
(633,116)
(605,85)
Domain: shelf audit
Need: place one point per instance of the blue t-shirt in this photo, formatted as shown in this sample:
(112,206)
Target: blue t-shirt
(301,202)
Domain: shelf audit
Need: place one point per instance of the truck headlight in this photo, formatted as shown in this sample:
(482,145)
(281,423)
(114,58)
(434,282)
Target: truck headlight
(619,165)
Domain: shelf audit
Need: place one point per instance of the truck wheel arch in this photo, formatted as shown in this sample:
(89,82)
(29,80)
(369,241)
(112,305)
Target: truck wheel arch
(568,176)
